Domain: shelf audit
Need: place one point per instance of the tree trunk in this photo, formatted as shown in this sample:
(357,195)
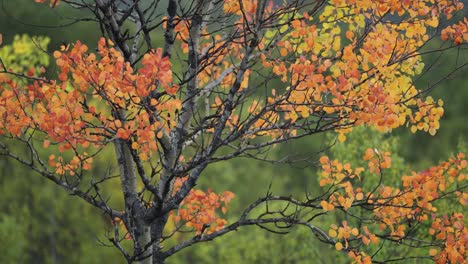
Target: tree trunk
(140,232)
(144,239)
(157,229)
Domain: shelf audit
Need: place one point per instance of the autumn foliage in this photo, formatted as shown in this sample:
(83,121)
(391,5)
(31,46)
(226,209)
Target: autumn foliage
(272,73)
(396,210)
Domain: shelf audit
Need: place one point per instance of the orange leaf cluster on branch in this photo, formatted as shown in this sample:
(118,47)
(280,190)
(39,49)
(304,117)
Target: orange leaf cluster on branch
(74,111)
(199,209)
(454,232)
(53,3)
(394,209)
(457,32)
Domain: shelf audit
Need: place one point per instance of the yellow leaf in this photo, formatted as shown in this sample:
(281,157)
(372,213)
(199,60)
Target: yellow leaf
(328,109)
(337,43)
(134,145)
(339,246)
(118,123)
(143,156)
(359,196)
(159,134)
(341,137)
(433,22)
(304,110)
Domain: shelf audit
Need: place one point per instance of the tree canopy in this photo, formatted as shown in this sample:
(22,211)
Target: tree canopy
(233,79)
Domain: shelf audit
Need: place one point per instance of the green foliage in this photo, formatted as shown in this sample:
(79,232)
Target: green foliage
(25,52)
(420,149)
(362,138)
(13,235)
(59,24)
(39,223)
(254,245)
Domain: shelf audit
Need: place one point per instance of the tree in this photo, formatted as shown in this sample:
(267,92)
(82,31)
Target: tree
(232,79)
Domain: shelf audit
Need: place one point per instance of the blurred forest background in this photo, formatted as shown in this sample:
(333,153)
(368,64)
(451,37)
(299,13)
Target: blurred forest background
(40,223)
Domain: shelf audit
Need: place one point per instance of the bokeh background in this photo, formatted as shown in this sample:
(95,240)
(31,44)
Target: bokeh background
(40,223)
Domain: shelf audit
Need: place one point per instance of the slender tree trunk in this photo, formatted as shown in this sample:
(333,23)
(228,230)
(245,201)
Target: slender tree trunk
(140,232)
(157,229)
(144,239)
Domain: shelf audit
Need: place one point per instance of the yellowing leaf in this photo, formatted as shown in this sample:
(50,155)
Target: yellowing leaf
(135,145)
(359,196)
(341,137)
(327,206)
(324,160)
(433,21)
(339,246)
(365,241)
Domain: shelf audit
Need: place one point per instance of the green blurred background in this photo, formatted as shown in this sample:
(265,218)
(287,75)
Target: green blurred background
(40,223)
